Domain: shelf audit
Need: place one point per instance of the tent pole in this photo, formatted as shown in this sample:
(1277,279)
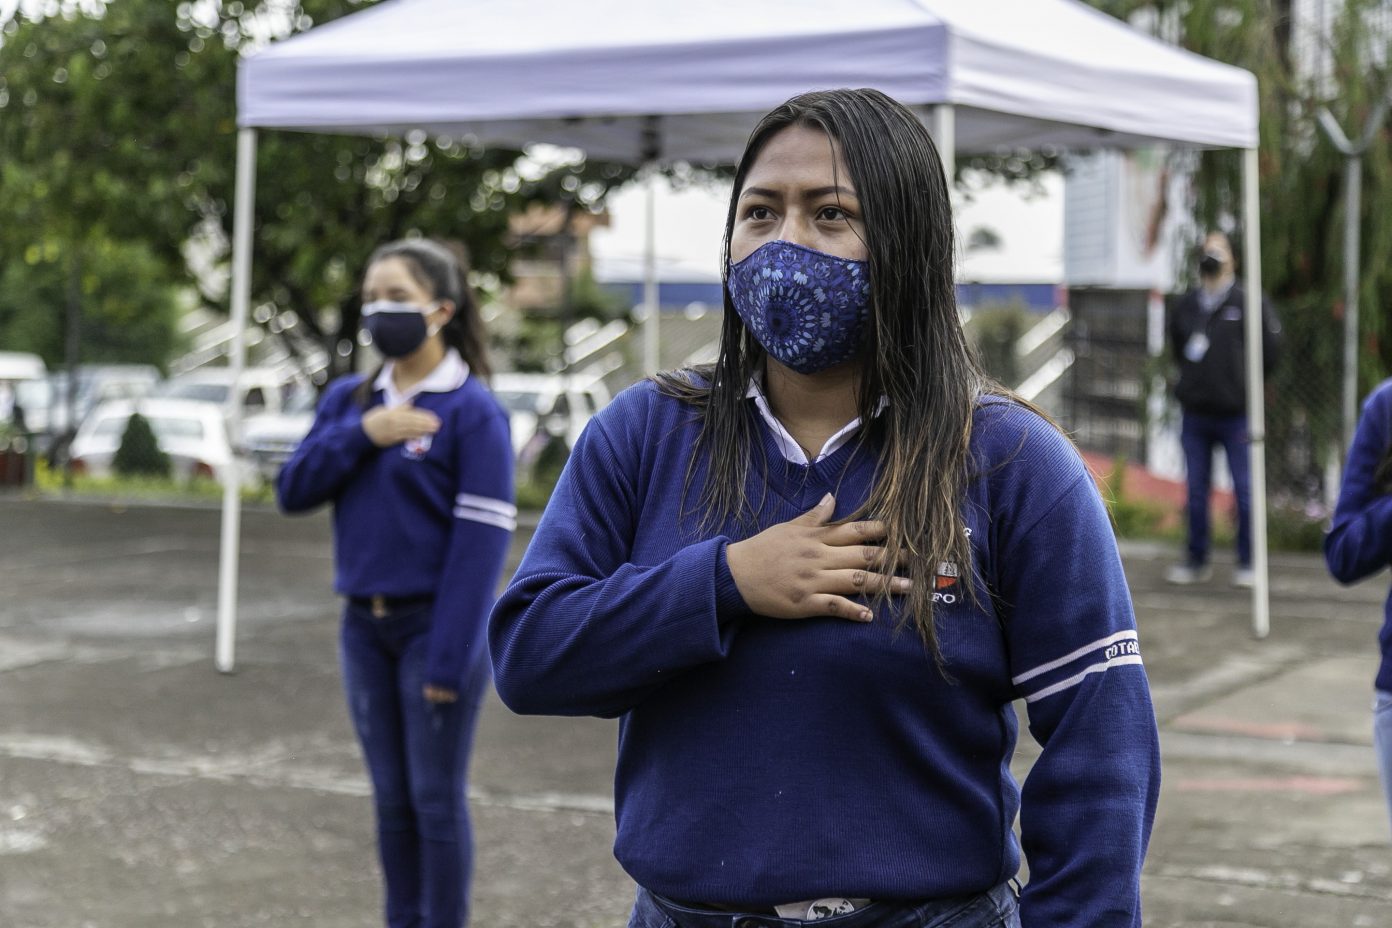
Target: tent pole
(945,136)
(243,203)
(1256,394)
(652,343)
(651,144)
(1353,207)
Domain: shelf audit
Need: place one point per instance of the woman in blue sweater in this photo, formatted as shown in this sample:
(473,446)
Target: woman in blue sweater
(1359,544)
(811,579)
(417,462)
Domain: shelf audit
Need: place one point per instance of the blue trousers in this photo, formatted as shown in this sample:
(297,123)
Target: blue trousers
(417,755)
(1199,436)
(1382,740)
(995,909)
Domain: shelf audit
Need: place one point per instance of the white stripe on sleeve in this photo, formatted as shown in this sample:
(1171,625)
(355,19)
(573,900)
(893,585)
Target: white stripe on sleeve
(1078,678)
(1074,655)
(506,523)
(487,503)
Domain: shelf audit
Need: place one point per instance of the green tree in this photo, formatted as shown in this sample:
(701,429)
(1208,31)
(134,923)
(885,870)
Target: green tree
(1301,196)
(130,308)
(117,121)
(139,454)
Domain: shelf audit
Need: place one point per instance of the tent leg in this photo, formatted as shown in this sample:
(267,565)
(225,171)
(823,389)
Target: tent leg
(945,136)
(652,341)
(242,217)
(1256,396)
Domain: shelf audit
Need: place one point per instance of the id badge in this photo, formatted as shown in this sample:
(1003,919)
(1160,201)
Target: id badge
(1196,347)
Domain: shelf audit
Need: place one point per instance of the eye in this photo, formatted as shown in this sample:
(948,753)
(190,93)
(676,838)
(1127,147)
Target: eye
(758,213)
(832,214)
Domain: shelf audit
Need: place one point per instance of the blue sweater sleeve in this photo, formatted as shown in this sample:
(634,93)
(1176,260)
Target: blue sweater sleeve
(582,630)
(324,461)
(1359,542)
(1088,804)
(484,518)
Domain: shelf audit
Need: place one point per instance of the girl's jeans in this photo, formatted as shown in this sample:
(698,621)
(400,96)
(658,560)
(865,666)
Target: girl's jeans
(1382,739)
(994,909)
(417,755)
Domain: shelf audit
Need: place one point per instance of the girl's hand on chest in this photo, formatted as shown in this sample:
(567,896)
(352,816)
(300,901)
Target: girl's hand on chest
(386,427)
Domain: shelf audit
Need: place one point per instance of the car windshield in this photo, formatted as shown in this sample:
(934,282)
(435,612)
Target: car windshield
(301,401)
(108,428)
(209,392)
(166,428)
(176,428)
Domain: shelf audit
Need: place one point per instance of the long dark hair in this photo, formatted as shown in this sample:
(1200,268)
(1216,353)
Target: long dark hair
(915,354)
(443,270)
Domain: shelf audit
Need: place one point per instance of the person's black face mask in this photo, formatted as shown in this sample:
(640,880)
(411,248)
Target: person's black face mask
(1210,264)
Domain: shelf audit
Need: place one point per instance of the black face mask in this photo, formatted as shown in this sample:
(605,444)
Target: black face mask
(1210,264)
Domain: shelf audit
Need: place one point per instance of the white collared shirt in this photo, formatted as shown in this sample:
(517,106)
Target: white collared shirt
(787,445)
(448,375)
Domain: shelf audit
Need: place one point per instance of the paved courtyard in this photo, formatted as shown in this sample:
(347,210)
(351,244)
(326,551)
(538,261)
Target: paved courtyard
(139,788)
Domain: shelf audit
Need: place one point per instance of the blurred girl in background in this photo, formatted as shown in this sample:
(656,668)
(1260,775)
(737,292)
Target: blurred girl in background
(417,462)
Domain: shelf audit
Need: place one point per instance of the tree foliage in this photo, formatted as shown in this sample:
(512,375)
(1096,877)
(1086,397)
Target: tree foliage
(1301,193)
(139,454)
(118,123)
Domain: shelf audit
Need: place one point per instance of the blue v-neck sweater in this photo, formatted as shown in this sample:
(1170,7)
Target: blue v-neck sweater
(1359,542)
(763,761)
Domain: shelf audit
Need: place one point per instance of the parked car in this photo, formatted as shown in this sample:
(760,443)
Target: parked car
(545,409)
(46,402)
(261,389)
(269,438)
(192,432)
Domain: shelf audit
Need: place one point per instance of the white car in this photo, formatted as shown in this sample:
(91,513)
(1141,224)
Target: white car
(546,408)
(260,390)
(269,438)
(191,432)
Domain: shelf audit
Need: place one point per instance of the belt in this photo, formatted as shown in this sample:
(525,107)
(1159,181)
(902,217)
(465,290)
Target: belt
(812,909)
(383,606)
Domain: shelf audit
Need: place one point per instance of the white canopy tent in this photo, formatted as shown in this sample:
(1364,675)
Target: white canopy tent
(648,81)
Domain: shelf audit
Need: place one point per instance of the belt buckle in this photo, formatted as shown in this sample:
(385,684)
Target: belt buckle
(379,607)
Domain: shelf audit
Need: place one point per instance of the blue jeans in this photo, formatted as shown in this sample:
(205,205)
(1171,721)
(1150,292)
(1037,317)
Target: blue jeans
(995,909)
(417,755)
(1199,436)
(1382,740)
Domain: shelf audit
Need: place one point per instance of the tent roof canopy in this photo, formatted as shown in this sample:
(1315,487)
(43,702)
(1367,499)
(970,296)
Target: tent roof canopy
(627,79)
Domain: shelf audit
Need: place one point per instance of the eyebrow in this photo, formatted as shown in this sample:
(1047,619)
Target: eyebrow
(810,194)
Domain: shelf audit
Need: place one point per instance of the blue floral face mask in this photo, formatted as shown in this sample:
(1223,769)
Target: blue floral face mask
(807,308)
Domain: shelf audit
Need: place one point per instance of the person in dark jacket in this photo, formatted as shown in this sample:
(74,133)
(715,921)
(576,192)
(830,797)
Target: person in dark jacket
(1206,333)
(1359,544)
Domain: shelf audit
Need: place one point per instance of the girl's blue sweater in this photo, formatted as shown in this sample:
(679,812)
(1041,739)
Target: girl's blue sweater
(1359,542)
(762,762)
(427,519)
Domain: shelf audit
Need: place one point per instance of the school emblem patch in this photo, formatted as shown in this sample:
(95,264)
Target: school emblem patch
(416,448)
(945,583)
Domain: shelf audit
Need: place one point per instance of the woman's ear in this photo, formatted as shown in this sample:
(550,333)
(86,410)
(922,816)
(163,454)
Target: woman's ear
(443,313)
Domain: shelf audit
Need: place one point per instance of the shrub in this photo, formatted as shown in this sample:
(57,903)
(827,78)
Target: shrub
(140,453)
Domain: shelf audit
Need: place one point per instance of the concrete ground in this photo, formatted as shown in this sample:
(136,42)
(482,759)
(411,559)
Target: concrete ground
(139,788)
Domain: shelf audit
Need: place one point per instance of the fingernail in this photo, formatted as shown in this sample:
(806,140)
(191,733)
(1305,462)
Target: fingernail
(866,615)
(827,499)
(902,584)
